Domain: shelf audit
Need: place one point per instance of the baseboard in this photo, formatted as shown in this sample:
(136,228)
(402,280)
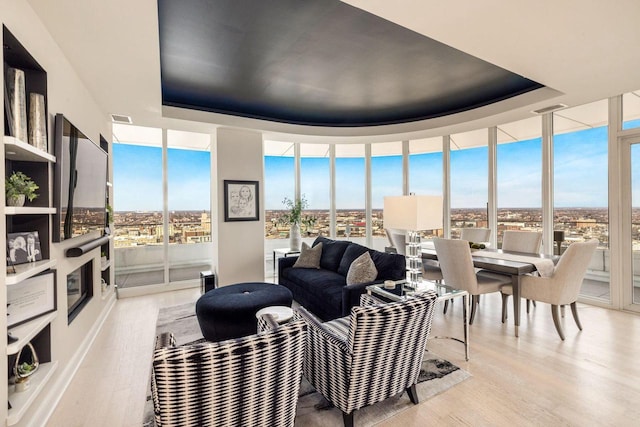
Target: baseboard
(50,400)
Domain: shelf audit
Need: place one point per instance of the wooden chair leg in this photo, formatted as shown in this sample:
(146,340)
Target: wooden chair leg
(505,299)
(574,311)
(348,419)
(474,304)
(413,394)
(556,320)
(446,306)
(528,305)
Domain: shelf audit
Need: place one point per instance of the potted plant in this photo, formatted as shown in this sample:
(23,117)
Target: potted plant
(19,187)
(293,218)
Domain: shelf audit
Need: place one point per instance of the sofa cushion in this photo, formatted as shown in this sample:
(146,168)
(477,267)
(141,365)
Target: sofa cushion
(309,257)
(352,252)
(332,251)
(362,270)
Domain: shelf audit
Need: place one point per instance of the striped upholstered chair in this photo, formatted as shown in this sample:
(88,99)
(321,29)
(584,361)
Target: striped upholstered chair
(249,381)
(374,353)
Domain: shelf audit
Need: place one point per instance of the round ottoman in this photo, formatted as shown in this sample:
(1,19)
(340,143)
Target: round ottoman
(230,311)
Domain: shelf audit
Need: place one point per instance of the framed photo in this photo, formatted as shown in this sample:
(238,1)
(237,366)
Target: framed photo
(31,298)
(241,200)
(23,247)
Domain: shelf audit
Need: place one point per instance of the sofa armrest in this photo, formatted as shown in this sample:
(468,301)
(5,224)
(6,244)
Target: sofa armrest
(285,262)
(351,296)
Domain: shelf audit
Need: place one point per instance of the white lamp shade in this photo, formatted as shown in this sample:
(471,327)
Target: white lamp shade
(413,213)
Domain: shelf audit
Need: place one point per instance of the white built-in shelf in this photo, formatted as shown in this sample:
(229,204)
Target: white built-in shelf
(24,271)
(15,149)
(27,331)
(28,210)
(22,400)
(105,265)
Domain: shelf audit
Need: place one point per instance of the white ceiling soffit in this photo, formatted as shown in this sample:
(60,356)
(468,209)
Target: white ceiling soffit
(426,145)
(386,149)
(314,150)
(349,150)
(583,117)
(521,130)
(188,140)
(631,106)
(474,138)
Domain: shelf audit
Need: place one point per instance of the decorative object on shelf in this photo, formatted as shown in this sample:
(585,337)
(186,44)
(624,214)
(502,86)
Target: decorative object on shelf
(241,200)
(294,218)
(17,103)
(24,247)
(26,364)
(34,297)
(413,213)
(19,187)
(37,121)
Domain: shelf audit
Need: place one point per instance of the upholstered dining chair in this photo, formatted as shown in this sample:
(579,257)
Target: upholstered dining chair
(374,353)
(458,272)
(397,239)
(475,234)
(522,241)
(249,381)
(562,287)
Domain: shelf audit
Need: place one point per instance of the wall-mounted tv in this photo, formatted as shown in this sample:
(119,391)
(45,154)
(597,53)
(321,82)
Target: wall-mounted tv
(80,183)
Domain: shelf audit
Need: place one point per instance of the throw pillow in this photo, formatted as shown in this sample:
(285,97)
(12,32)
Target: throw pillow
(309,257)
(362,270)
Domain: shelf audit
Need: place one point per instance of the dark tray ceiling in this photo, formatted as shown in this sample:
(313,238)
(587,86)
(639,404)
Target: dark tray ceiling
(316,62)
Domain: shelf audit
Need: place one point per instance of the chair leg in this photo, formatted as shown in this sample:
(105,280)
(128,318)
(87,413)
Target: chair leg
(474,304)
(505,299)
(534,302)
(556,321)
(348,419)
(574,311)
(562,311)
(528,305)
(446,306)
(413,394)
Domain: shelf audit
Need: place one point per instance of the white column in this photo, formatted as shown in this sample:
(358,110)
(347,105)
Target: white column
(621,264)
(492,196)
(547,183)
(165,206)
(332,191)
(296,170)
(406,185)
(446,185)
(367,195)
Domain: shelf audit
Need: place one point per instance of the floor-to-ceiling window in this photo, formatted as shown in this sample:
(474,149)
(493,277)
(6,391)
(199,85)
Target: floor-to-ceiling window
(144,253)
(635,222)
(315,182)
(631,110)
(519,176)
(279,185)
(469,180)
(581,187)
(138,206)
(386,180)
(189,204)
(425,172)
(350,192)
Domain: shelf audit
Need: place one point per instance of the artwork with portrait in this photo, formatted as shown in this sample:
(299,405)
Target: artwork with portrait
(241,200)
(23,247)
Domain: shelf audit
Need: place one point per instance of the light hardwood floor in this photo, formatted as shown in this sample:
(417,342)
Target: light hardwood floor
(590,379)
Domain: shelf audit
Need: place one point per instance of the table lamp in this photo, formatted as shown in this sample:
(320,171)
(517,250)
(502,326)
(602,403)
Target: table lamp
(413,214)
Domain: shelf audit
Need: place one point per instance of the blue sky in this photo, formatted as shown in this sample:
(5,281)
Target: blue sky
(580,176)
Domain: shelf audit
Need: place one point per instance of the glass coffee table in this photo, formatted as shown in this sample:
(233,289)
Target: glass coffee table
(403,290)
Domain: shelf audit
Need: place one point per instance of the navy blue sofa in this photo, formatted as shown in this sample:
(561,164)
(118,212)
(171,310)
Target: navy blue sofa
(324,291)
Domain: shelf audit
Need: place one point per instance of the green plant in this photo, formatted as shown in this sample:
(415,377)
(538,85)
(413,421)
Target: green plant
(19,183)
(109,213)
(294,216)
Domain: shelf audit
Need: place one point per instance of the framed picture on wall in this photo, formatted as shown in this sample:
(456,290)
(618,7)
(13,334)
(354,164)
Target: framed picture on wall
(241,200)
(33,297)
(23,247)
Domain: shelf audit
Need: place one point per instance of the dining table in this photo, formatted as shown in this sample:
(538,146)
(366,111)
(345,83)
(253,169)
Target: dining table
(514,264)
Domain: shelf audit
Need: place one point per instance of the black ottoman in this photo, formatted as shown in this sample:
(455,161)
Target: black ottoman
(230,311)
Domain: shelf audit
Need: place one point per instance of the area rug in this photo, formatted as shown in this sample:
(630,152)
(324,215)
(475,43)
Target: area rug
(436,376)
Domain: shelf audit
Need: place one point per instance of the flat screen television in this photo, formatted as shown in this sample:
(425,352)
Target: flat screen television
(80,183)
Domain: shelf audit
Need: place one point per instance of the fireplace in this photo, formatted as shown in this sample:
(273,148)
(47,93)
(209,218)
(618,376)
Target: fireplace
(79,290)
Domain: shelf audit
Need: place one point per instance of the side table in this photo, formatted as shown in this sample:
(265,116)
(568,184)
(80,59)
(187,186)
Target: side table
(283,252)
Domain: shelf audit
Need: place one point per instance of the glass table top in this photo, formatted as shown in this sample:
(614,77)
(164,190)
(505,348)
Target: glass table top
(404,289)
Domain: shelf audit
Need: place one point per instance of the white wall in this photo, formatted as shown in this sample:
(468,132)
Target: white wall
(241,243)
(68,95)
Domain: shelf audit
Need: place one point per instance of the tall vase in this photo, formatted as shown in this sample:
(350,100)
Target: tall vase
(295,240)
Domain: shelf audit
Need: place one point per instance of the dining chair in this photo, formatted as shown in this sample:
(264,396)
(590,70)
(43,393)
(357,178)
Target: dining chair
(522,241)
(430,268)
(374,353)
(458,272)
(562,287)
(475,234)
(397,239)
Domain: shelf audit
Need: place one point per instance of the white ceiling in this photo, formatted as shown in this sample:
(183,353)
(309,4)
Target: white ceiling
(585,50)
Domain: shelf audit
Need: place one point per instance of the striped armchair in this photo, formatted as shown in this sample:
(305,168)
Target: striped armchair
(374,353)
(249,381)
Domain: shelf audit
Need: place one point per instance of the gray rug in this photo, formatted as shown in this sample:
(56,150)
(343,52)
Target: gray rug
(437,376)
